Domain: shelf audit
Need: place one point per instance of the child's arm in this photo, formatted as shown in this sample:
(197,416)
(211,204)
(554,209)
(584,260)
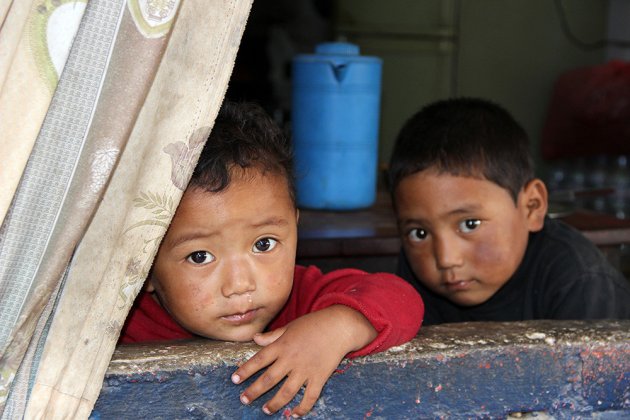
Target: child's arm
(345,312)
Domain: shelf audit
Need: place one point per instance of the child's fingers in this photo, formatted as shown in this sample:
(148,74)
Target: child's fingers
(311,394)
(285,394)
(255,363)
(264,339)
(267,380)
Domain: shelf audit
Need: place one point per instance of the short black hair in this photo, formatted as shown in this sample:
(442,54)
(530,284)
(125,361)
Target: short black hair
(464,137)
(244,136)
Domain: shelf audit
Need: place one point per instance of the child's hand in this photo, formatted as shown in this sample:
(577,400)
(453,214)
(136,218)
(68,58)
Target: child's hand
(306,351)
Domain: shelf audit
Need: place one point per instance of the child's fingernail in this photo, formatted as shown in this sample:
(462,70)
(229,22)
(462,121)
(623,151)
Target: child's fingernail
(236,379)
(266,410)
(244,399)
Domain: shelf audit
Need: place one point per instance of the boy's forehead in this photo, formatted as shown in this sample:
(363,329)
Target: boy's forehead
(461,174)
(450,193)
(435,177)
(247,204)
(249,188)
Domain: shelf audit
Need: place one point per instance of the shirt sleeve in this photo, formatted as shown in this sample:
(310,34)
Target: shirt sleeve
(148,321)
(391,305)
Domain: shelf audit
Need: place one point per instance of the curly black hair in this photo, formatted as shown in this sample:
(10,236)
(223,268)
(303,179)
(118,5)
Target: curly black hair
(244,136)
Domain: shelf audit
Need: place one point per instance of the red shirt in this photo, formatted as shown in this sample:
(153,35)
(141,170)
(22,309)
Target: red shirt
(392,306)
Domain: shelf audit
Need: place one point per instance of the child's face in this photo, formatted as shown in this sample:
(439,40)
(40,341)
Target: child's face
(225,267)
(465,237)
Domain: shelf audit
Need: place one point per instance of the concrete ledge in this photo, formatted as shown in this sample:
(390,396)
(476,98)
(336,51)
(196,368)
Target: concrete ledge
(562,369)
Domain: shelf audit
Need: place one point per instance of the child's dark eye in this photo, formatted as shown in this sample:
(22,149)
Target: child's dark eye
(264,245)
(469,225)
(417,235)
(200,257)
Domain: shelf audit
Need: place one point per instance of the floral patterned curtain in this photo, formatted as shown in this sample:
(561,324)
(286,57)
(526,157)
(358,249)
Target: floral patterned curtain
(104,107)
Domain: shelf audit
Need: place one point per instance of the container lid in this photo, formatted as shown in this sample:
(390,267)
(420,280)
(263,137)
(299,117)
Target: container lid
(337,48)
(336,53)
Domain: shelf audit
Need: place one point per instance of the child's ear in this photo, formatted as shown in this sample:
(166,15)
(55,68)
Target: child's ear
(148,284)
(533,201)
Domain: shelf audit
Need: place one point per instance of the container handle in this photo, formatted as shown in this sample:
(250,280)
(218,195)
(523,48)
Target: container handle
(340,71)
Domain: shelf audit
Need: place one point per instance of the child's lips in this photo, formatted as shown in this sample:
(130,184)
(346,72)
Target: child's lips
(241,317)
(457,285)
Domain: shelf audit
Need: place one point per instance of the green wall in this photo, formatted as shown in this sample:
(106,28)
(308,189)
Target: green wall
(509,51)
(513,51)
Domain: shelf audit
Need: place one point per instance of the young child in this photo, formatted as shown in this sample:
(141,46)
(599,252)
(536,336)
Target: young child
(226,270)
(477,243)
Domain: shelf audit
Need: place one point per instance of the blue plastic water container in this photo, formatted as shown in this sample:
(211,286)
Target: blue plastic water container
(335,119)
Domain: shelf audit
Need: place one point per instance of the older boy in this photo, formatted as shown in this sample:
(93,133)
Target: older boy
(477,244)
(226,270)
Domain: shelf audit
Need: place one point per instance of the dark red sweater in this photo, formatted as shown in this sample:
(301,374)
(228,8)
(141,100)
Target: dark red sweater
(391,305)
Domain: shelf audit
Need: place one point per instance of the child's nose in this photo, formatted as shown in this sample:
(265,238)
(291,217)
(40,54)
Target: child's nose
(447,253)
(238,279)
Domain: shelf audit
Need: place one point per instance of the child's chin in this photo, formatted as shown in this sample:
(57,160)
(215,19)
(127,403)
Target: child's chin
(233,336)
(463,299)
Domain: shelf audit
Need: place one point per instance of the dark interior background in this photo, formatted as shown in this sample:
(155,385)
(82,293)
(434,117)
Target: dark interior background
(564,61)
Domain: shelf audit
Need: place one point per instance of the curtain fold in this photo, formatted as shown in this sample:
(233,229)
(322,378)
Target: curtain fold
(138,95)
(28,78)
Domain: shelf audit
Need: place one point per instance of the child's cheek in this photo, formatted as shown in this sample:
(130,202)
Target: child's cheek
(491,252)
(487,253)
(423,265)
(283,282)
(201,299)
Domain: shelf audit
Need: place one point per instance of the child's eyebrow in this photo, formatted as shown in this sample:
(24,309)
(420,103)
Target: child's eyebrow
(187,237)
(411,221)
(272,221)
(198,234)
(466,208)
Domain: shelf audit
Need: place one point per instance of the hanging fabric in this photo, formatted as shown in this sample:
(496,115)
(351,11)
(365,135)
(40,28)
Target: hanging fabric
(136,99)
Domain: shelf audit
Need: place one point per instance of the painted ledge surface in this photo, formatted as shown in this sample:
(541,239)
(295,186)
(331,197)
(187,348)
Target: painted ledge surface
(554,369)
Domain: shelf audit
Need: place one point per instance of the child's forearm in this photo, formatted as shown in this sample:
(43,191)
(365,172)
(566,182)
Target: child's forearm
(350,326)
